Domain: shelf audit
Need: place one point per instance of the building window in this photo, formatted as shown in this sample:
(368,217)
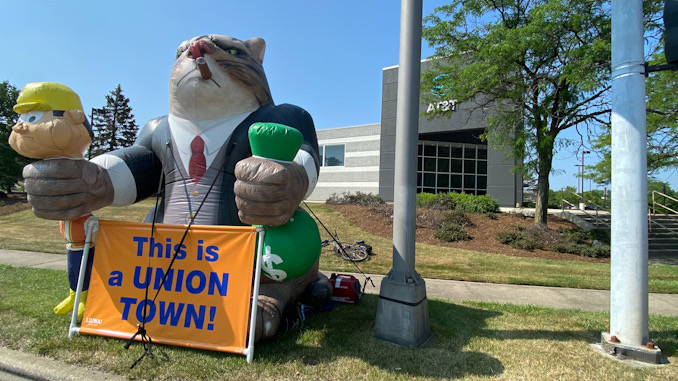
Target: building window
(451,167)
(332,155)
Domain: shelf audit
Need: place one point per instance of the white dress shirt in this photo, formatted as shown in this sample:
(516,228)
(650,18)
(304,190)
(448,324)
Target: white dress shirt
(214,132)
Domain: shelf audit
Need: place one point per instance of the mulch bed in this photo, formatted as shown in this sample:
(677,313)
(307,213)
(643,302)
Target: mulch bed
(378,220)
(14,202)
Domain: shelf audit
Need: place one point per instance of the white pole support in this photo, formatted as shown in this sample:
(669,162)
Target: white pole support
(91,226)
(249,351)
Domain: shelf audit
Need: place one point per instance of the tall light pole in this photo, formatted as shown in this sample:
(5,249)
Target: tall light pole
(629,331)
(402,310)
(582,175)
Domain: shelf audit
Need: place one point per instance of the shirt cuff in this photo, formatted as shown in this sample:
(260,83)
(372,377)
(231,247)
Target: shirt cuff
(124,186)
(306,160)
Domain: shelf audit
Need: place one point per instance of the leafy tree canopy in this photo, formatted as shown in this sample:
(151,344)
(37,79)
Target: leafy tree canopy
(662,127)
(540,66)
(11,163)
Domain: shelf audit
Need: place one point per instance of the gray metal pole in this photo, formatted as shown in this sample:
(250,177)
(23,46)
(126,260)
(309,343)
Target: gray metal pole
(583,198)
(402,310)
(407,135)
(629,267)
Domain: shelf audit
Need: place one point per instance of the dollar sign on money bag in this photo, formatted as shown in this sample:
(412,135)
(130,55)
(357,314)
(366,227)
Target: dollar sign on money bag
(290,249)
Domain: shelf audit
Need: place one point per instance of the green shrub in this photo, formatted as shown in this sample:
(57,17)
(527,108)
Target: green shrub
(436,201)
(565,248)
(597,252)
(521,238)
(507,237)
(601,235)
(491,215)
(425,200)
(457,217)
(526,243)
(580,237)
(458,201)
(452,233)
(576,236)
(582,250)
(359,198)
(481,204)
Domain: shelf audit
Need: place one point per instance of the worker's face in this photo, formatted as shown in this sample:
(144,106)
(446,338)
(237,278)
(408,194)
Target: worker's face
(45,134)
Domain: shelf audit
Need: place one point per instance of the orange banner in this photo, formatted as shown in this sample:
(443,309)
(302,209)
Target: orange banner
(204,301)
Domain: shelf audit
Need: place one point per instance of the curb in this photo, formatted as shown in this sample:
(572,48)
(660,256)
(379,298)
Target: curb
(15,365)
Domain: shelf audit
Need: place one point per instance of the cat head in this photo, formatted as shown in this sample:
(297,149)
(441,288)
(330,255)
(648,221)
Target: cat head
(238,82)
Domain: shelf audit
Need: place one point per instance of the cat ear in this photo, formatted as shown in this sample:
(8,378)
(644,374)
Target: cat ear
(258,46)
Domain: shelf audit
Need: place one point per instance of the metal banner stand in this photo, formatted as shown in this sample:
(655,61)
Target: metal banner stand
(91,226)
(249,351)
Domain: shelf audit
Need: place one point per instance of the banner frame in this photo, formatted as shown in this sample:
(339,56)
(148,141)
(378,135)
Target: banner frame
(92,225)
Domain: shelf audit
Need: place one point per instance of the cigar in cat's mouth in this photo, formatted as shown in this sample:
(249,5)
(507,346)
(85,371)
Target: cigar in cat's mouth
(205,72)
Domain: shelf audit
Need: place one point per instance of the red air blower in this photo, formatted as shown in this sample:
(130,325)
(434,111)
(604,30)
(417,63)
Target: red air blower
(346,288)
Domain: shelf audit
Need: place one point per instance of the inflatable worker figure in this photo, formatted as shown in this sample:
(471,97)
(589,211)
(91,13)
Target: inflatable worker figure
(52,124)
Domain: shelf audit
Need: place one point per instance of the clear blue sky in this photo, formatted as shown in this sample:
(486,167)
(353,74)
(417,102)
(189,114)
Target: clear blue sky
(325,56)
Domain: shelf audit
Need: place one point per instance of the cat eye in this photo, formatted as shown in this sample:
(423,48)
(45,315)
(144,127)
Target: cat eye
(232,51)
(31,116)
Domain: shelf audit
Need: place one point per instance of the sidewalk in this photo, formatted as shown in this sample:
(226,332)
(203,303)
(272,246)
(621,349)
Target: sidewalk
(456,291)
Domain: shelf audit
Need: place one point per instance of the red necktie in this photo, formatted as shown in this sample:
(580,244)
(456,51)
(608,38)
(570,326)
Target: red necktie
(197,164)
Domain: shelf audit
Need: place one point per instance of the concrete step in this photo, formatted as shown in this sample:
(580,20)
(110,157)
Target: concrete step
(662,233)
(662,246)
(663,222)
(659,229)
(663,254)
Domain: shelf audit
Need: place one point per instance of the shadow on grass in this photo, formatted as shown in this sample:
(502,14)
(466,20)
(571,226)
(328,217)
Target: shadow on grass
(459,330)
(348,332)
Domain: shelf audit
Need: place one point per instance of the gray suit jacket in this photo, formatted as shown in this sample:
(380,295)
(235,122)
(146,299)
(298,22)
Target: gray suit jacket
(151,160)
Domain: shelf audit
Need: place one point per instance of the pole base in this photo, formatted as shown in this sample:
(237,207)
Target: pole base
(611,345)
(402,310)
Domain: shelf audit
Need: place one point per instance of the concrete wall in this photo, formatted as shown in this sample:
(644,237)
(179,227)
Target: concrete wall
(465,124)
(503,183)
(360,171)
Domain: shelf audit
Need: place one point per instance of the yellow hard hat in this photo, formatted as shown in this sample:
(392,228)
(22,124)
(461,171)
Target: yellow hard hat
(44,96)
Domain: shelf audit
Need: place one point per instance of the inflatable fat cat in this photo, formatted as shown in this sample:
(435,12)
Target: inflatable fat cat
(200,153)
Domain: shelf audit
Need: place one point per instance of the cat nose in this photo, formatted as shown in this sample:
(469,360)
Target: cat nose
(198,48)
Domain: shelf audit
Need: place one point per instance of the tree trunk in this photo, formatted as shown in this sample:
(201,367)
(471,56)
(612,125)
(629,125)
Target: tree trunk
(545,157)
(542,202)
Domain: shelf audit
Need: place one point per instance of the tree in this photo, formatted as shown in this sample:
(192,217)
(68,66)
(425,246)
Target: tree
(541,66)
(11,163)
(662,127)
(114,125)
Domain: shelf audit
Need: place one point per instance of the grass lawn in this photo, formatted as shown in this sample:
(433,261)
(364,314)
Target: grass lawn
(450,263)
(24,231)
(474,341)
